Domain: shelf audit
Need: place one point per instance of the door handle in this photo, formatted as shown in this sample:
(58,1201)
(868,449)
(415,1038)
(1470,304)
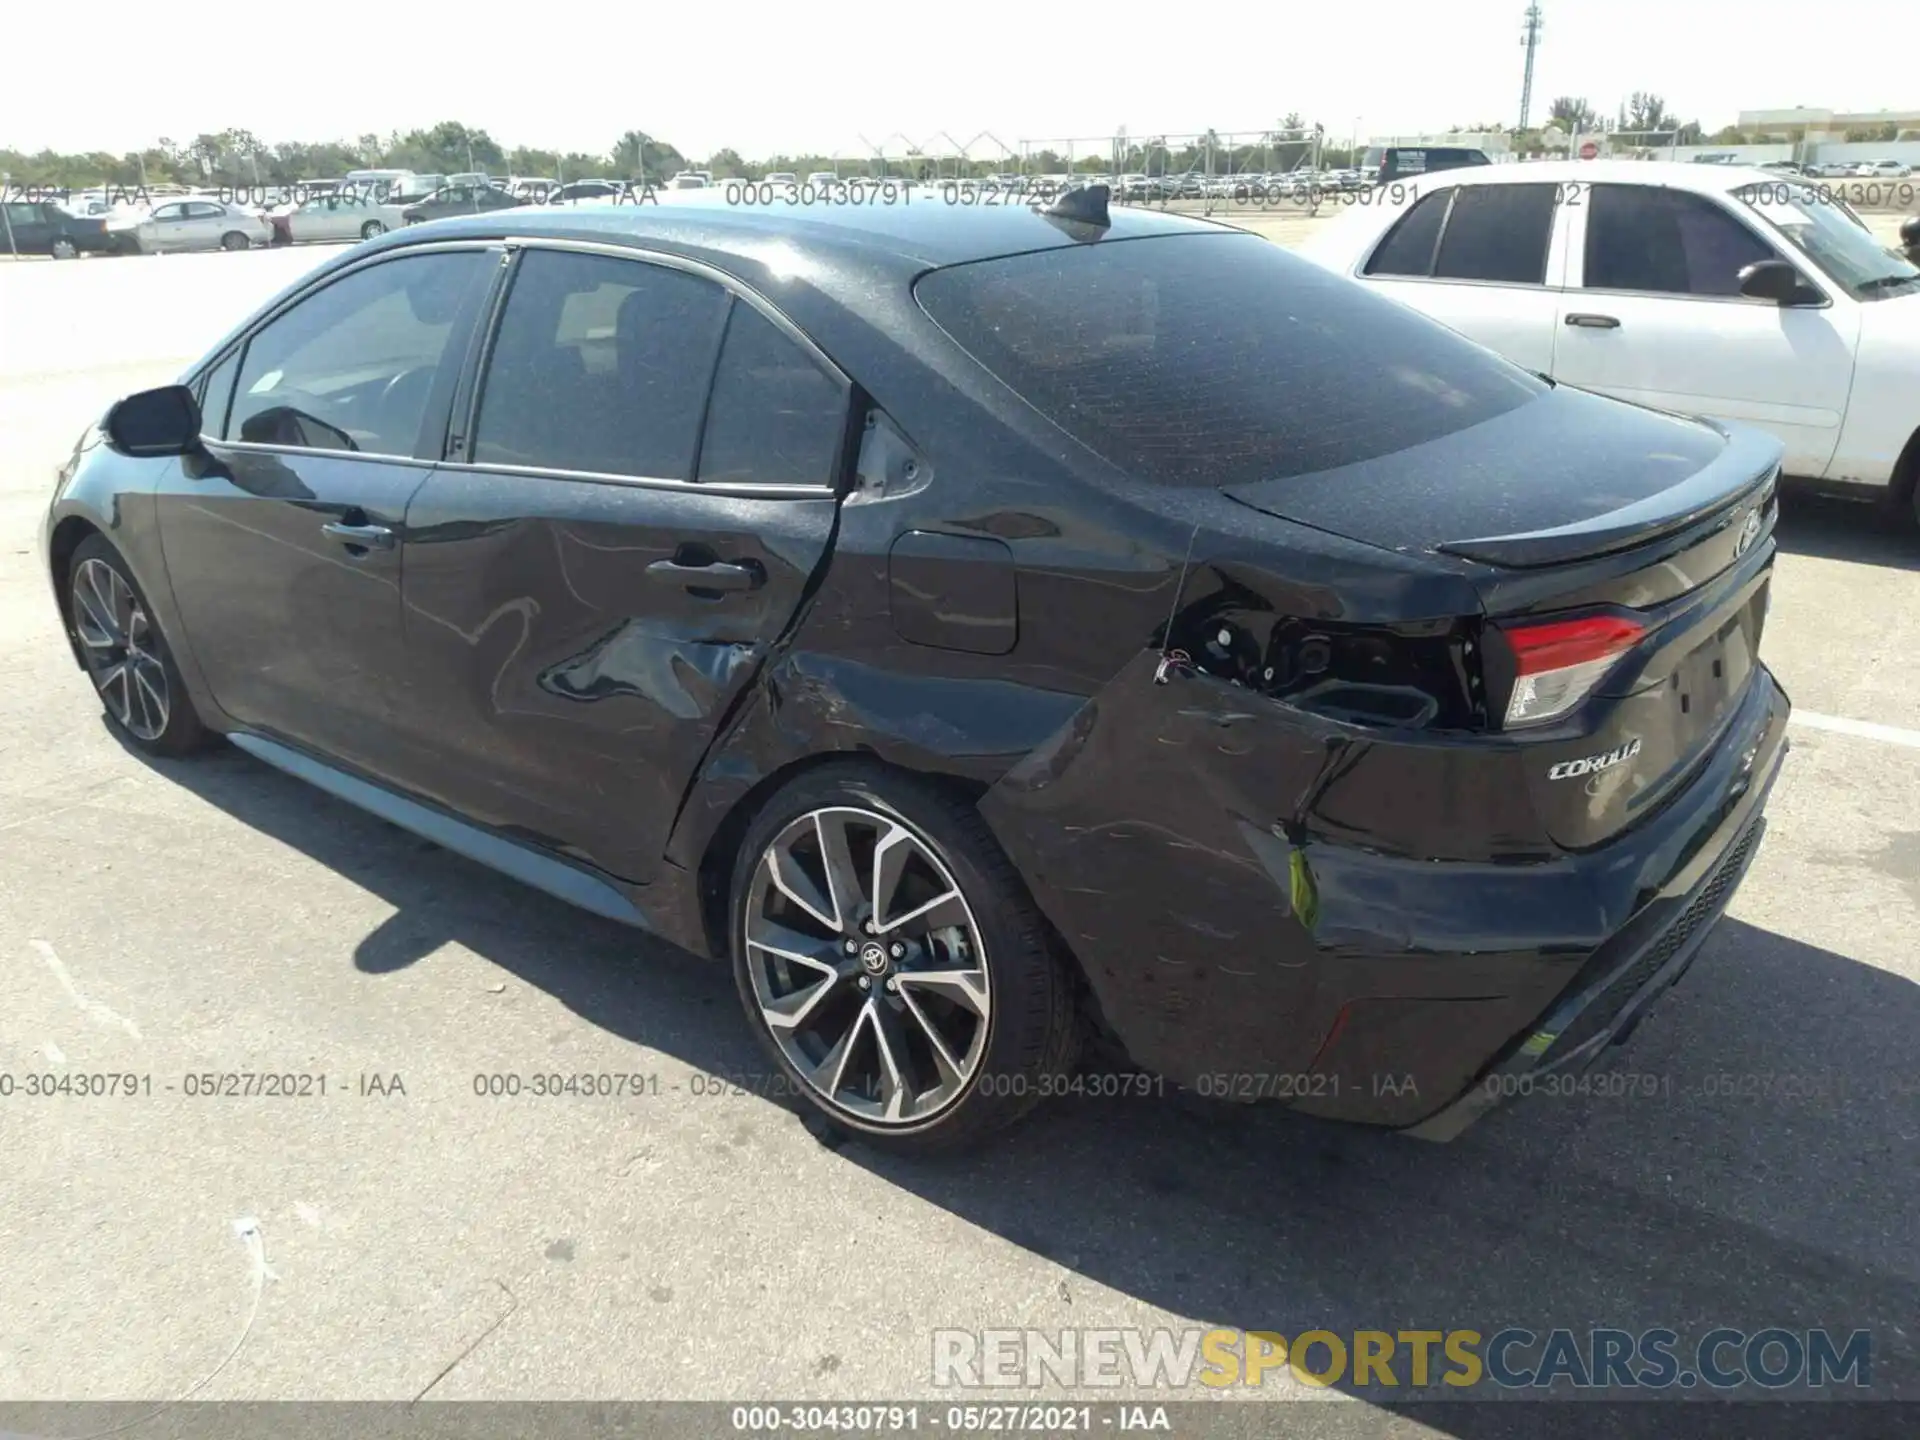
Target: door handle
(366,537)
(715,575)
(1593,322)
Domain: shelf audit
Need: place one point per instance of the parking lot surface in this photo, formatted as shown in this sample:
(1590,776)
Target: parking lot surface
(404,1236)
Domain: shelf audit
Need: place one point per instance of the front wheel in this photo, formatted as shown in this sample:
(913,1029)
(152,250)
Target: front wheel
(372,229)
(64,249)
(127,657)
(234,240)
(892,962)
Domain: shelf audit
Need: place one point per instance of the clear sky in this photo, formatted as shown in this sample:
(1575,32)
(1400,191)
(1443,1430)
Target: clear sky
(115,75)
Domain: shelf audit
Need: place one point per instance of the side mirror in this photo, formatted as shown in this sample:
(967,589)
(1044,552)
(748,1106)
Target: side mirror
(165,421)
(1773,280)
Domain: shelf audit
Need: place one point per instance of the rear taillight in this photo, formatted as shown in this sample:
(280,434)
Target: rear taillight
(1557,664)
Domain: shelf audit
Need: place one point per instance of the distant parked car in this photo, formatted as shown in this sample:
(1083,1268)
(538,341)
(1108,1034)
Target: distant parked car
(335,217)
(783,177)
(586,192)
(458,200)
(1883,170)
(40,227)
(193,224)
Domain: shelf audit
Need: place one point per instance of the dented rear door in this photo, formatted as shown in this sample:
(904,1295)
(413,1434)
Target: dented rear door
(628,522)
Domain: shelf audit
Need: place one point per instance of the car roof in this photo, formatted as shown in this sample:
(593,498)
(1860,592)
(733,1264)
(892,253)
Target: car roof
(1676,174)
(922,233)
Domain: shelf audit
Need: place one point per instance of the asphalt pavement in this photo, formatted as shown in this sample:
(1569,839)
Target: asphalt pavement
(404,1236)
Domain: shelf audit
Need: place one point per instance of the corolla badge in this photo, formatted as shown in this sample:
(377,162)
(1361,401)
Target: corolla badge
(1749,532)
(1594,764)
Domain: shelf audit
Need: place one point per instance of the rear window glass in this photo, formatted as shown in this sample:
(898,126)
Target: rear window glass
(1217,359)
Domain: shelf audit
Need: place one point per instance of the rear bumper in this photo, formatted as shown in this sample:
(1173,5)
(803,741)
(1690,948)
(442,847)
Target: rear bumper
(1249,958)
(1618,986)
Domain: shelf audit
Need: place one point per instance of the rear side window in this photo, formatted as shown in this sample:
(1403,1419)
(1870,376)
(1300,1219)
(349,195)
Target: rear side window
(1668,242)
(1497,232)
(776,418)
(1408,248)
(1220,365)
(601,366)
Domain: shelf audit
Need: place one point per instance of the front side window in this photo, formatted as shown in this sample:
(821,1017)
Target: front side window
(352,366)
(601,365)
(1665,242)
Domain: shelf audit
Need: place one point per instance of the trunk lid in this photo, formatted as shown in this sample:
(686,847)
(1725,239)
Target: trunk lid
(1575,506)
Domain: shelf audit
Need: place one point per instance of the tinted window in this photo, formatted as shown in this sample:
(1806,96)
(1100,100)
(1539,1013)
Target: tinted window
(776,418)
(19,214)
(216,395)
(1408,248)
(1498,232)
(1668,242)
(1218,365)
(352,367)
(600,365)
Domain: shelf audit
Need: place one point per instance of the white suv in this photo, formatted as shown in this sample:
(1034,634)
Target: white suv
(1705,289)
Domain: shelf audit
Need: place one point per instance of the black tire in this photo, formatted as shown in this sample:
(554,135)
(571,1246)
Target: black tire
(234,240)
(64,249)
(130,712)
(372,230)
(1031,1036)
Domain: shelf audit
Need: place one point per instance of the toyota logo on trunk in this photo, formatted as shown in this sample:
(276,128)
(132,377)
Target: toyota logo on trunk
(1749,532)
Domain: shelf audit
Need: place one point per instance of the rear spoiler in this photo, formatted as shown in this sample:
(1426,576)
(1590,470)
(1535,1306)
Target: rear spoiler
(1749,465)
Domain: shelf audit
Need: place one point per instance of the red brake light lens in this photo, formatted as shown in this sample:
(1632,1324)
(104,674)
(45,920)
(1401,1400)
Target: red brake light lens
(1557,664)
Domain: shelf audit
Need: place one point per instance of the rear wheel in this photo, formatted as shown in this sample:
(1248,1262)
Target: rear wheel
(234,240)
(892,962)
(126,656)
(64,249)
(371,229)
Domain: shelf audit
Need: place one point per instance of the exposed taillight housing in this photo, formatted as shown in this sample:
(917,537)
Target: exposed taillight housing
(1557,663)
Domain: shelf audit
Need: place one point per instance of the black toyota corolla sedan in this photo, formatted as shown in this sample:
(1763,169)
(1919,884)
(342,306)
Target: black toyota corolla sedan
(1004,634)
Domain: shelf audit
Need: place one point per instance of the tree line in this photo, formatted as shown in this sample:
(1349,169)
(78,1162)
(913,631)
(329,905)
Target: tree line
(237,157)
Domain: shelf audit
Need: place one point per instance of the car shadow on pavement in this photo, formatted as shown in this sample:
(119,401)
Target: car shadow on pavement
(1864,532)
(1759,1171)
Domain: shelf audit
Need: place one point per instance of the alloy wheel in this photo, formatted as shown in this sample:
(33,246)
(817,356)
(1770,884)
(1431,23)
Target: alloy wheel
(867,966)
(120,644)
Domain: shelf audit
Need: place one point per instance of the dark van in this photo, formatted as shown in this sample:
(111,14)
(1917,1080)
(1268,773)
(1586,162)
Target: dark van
(1387,163)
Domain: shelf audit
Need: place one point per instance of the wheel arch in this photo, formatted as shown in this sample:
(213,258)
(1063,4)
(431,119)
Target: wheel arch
(713,876)
(67,537)
(1906,476)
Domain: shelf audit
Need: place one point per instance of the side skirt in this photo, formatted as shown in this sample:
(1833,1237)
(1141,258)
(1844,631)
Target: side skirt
(530,867)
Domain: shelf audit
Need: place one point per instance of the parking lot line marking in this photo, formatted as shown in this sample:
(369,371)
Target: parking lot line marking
(1865,729)
(92,1008)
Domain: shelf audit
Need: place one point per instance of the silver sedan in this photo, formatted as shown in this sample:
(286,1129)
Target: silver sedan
(335,217)
(193,224)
